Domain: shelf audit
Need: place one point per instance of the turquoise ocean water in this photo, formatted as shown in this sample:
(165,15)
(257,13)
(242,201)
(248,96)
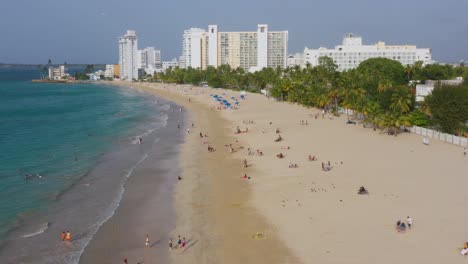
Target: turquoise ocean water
(57,131)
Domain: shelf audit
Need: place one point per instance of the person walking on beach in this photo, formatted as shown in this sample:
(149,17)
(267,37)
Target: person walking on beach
(147,241)
(63,235)
(170,243)
(179,242)
(68,236)
(183,242)
(125,261)
(409,221)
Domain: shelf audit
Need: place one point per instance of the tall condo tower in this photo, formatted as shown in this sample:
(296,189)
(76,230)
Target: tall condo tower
(128,56)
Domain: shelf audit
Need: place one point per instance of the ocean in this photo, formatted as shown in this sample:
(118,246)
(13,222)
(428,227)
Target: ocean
(66,151)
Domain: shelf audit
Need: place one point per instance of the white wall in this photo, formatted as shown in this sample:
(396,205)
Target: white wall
(262,46)
(213,45)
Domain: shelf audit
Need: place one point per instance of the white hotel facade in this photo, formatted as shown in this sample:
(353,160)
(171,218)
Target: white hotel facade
(128,56)
(352,52)
(248,50)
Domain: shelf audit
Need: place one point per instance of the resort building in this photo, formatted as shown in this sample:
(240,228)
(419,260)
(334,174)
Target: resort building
(128,56)
(57,73)
(149,58)
(352,52)
(170,64)
(192,41)
(112,71)
(296,59)
(423,90)
(251,51)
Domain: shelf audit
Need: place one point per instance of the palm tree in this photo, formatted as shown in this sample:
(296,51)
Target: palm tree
(401,101)
(409,71)
(372,112)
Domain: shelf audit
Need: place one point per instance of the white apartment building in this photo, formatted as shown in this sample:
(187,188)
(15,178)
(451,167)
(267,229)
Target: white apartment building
(149,58)
(57,73)
(170,64)
(248,50)
(296,59)
(109,71)
(352,52)
(192,47)
(128,56)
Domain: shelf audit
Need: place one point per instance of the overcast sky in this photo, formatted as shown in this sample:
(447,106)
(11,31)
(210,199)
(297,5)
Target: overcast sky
(86,31)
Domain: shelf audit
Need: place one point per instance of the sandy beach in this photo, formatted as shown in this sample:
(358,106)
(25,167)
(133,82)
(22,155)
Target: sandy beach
(305,214)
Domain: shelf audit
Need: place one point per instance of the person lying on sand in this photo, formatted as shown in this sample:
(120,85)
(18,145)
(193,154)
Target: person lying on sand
(210,148)
(259,153)
(362,190)
(285,147)
(312,158)
(280,156)
(245,177)
(326,167)
(279,138)
(245,163)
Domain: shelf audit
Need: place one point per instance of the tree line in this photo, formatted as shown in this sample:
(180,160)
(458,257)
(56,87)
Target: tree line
(380,90)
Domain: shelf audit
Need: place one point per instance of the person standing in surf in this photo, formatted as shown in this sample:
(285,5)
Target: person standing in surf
(147,242)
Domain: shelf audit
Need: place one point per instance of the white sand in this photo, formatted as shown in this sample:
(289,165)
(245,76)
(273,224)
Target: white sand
(318,215)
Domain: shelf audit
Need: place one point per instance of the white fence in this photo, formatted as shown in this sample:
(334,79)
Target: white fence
(459,141)
(447,138)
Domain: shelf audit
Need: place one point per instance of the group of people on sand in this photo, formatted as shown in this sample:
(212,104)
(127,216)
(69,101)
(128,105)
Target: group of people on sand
(304,123)
(181,243)
(245,177)
(251,153)
(326,166)
(238,130)
(250,122)
(401,226)
(292,165)
(210,149)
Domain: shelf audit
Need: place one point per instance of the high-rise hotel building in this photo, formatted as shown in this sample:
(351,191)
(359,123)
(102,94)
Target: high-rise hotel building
(248,50)
(128,56)
(352,52)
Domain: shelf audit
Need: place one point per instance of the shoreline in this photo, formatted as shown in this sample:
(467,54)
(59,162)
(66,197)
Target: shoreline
(88,180)
(212,204)
(145,205)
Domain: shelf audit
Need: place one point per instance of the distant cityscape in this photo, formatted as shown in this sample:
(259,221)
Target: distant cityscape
(250,50)
(253,51)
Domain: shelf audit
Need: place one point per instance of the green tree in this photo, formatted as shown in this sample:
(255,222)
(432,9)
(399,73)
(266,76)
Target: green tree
(372,113)
(379,74)
(449,107)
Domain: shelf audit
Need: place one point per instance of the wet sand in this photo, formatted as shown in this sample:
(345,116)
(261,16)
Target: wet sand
(212,206)
(146,206)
